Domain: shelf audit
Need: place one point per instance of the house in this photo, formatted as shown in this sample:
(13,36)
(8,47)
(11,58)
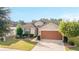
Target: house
(28,27)
(46,31)
(50,31)
(13,28)
(13,31)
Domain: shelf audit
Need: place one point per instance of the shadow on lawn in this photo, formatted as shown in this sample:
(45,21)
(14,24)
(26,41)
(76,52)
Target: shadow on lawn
(8,42)
(14,40)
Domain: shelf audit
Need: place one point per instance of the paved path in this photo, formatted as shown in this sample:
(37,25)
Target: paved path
(49,45)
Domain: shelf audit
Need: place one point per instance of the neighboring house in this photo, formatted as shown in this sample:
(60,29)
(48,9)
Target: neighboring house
(46,31)
(38,25)
(13,31)
(29,28)
(50,31)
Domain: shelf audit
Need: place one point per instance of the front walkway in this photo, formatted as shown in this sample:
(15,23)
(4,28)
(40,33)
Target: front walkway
(49,45)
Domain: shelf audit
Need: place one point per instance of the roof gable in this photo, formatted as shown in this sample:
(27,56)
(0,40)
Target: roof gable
(28,26)
(49,27)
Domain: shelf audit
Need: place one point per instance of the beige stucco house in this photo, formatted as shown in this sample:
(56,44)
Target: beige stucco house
(50,31)
(30,28)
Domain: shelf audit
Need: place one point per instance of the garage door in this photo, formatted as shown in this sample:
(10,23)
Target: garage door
(51,35)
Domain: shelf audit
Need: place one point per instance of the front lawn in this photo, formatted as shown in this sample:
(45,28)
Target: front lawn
(19,44)
(8,41)
(76,42)
(72,49)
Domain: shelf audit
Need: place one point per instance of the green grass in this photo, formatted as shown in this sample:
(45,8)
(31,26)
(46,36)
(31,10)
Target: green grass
(76,41)
(19,44)
(22,45)
(72,49)
(8,41)
(76,48)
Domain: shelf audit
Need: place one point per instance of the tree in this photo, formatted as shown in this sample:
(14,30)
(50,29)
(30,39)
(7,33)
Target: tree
(69,29)
(4,20)
(45,20)
(56,21)
(19,31)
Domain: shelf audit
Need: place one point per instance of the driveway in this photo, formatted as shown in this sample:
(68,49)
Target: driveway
(49,45)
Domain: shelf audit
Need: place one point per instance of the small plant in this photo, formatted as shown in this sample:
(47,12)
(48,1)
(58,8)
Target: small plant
(2,39)
(65,39)
(31,35)
(71,43)
(38,38)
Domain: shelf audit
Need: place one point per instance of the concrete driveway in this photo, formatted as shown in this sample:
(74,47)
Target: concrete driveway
(49,45)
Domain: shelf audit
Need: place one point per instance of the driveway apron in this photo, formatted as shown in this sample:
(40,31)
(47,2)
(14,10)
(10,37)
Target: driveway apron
(49,45)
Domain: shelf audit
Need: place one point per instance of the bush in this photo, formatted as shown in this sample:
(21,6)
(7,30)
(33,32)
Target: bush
(26,34)
(19,31)
(75,41)
(69,29)
(65,39)
(38,38)
(31,35)
(2,39)
(71,43)
(17,37)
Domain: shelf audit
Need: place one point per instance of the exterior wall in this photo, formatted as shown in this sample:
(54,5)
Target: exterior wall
(51,35)
(32,31)
(26,30)
(13,31)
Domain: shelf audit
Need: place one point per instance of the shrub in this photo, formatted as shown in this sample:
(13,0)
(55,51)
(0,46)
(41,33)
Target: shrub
(26,33)
(69,29)
(31,35)
(75,40)
(38,38)
(65,39)
(19,31)
(71,43)
(2,39)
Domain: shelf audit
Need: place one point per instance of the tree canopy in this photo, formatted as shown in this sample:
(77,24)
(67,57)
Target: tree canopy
(19,31)
(70,29)
(4,20)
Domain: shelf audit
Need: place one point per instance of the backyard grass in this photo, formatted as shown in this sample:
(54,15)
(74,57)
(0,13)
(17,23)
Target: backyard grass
(18,44)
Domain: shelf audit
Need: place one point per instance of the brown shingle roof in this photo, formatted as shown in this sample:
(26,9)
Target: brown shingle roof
(50,27)
(28,26)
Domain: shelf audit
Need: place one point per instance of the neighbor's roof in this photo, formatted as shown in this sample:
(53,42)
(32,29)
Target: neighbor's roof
(28,26)
(49,27)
